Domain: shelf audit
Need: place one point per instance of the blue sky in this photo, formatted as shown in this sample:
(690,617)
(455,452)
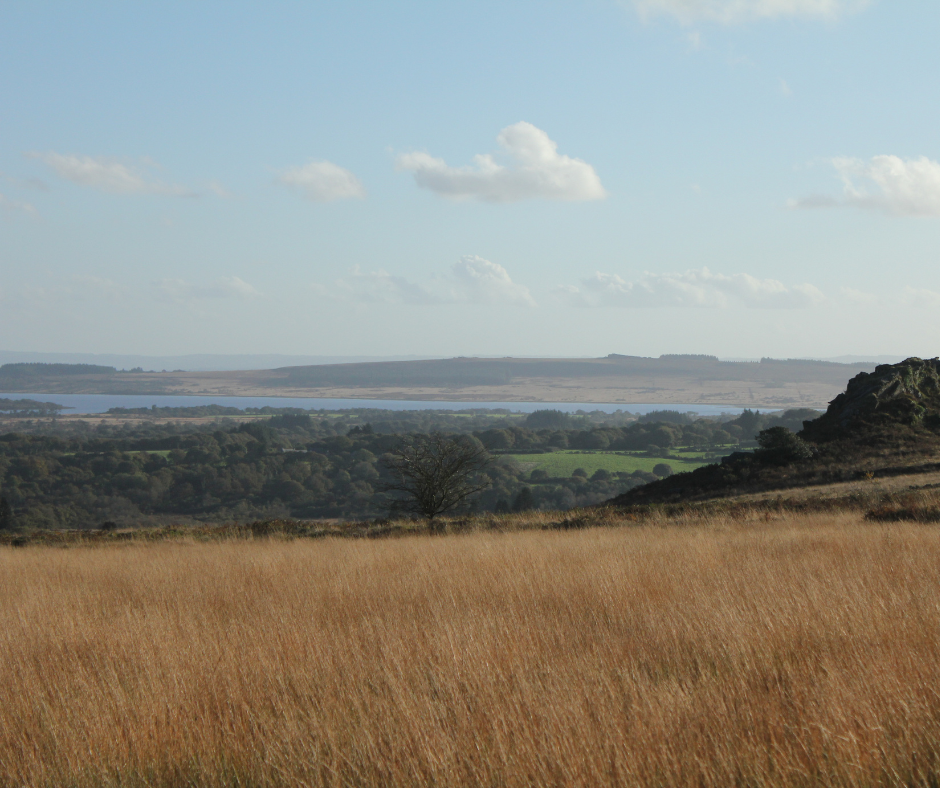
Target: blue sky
(737,177)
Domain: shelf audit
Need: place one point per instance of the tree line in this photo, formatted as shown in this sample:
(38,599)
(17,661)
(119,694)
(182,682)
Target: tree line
(295,465)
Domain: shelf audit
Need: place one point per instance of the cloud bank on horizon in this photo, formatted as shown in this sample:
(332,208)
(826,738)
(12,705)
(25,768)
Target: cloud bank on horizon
(183,291)
(473,280)
(695,289)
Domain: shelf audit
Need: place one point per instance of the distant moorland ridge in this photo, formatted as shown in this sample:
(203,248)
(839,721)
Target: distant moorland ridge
(502,371)
(614,378)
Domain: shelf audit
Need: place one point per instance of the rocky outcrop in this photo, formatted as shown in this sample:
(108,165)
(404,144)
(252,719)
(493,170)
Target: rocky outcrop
(885,421)
(907,393)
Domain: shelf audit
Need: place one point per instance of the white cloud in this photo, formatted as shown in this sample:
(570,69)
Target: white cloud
(904,187)
(474,280)
(730,12)
(536,170)
(225,287)
(323,181)
(693,288)
(483,281)
(14,206)
(920,297)
(109,175)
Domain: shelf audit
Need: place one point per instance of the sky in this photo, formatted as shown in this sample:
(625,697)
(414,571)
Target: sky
(742,178)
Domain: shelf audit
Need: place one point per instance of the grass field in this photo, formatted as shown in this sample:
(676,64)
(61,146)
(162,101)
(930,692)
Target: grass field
(781,651)
(562,463)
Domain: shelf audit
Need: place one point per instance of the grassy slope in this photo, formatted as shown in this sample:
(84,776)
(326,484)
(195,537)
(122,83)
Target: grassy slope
(776,650)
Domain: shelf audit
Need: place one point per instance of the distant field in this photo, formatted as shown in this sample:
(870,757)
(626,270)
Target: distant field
(562,463)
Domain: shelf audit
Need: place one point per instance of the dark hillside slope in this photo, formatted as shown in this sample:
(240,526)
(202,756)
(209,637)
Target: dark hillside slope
(886,422)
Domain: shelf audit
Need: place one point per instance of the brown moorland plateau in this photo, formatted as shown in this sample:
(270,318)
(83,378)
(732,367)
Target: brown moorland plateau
(615,379)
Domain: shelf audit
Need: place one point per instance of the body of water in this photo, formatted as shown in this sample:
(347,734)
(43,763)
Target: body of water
(101,403)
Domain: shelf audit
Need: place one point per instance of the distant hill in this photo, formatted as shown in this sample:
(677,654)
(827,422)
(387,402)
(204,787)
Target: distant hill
(502,371)
(203,362)
(53,370)
(667,380)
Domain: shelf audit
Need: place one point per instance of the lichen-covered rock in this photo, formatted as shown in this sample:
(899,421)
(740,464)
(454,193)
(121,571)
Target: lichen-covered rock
(907,393)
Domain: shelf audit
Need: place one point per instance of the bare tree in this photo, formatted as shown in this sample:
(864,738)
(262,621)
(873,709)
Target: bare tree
(435,473)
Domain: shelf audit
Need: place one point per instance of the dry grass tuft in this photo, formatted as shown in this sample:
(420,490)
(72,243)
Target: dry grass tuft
(920,506)
(778,651)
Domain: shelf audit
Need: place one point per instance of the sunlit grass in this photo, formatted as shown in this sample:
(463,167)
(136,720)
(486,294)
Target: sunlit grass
(562,463)
(776,652)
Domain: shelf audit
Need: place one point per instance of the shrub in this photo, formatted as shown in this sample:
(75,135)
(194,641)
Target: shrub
(779,446)
(590,440)
(548,419)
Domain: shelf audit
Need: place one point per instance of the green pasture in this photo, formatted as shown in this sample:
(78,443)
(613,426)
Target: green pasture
(562,463)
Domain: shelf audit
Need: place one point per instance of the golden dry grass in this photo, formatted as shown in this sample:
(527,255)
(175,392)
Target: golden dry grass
(792,652)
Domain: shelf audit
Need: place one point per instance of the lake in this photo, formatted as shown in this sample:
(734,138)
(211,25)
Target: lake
(101,403)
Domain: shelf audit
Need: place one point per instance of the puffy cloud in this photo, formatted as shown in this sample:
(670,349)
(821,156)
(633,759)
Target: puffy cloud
(483,281)
(536,170)
(904,187)
(690,289)
(108,175)
(474,280)
(323,181)
(14,206)
(729,12)
(224,287)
